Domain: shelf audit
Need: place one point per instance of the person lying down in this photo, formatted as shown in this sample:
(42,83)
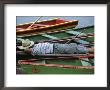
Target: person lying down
(52,48)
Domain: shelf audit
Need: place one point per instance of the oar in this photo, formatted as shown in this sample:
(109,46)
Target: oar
(34,22)
(58,65)
(64,55)
(73,38)
(57,55)
(52,58)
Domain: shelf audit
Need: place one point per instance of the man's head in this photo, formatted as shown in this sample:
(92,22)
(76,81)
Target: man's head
(18,42)
(26,43)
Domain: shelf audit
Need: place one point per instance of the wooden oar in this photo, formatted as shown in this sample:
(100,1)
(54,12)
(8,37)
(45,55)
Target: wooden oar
(65,55)
(53,58)
(34,22)
(57,65)
(57,55)
(22,52)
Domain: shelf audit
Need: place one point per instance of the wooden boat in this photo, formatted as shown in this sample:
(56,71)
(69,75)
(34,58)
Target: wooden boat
(45,26)
(52,68)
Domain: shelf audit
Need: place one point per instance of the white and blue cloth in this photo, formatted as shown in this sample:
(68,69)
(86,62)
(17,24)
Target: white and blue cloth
(42,48)
(69,48)
(56,48)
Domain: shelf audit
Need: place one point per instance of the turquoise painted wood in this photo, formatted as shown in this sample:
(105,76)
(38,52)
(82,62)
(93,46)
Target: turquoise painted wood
(75,33)
(81,41)
(84,63)
(49,36)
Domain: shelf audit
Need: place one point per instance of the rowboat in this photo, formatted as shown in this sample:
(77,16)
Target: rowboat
(59,31)
(45,26)
(60,64)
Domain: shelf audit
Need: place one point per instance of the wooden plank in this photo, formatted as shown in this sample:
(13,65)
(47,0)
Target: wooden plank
(81,41)
(75,33)
(84,63)
(49,36)
(58,65)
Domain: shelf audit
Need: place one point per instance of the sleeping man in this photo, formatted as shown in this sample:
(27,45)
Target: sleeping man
(52,48)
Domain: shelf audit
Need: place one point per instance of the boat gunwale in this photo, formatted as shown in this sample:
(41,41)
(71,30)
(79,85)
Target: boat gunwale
(42,21)
(39,33)
(44,27)
(27,35)
(36,22)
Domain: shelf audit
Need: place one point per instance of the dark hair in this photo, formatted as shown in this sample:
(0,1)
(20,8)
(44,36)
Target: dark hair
(36,42)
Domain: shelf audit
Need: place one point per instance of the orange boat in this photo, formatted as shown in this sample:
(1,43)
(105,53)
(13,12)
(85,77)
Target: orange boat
(45,26)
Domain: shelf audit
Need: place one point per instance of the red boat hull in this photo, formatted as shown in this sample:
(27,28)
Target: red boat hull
(45,26)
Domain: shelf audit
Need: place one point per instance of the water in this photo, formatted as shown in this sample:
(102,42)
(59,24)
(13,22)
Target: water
(83,20)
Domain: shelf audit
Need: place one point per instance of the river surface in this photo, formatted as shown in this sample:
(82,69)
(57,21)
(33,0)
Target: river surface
(83,20)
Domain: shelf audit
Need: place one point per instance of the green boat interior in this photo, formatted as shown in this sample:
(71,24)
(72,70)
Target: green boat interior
(65,33)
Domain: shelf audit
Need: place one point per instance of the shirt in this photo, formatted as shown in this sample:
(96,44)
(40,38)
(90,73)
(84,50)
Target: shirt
(42,48)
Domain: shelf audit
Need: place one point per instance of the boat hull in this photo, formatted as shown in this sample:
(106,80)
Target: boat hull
(46,28)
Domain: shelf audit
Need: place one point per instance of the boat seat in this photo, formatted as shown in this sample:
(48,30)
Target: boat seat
(84,63)
(19,28)
(75,33)
(39,25)
(49,36)
(81,41)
